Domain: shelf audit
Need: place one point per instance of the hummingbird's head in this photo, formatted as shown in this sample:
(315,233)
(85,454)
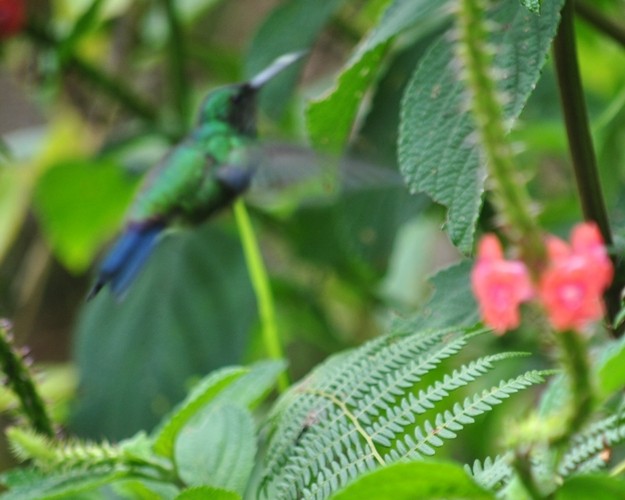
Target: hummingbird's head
(236,104)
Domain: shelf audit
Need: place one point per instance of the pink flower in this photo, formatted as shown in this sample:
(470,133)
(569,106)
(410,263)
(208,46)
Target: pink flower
(499,285)
(572,285)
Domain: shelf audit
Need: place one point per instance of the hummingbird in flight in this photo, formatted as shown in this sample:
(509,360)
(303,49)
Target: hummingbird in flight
(204,173)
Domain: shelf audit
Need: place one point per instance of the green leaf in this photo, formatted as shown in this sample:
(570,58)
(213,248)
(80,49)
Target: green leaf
(207,492)
(596,486)
(217,448)
(249,389)
(437,154)
(341,105)
(80,205)
(34,485)
(611,368)
(432,480)
(452,302)
(290,27)
(201,395)
(189,312)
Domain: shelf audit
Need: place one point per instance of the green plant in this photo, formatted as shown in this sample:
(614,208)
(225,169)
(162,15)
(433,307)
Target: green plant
(417,411)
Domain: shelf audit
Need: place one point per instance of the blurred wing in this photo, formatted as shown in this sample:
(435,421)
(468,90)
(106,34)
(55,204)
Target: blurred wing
(287,176)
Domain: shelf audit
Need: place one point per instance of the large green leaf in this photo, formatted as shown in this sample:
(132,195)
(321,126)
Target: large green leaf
(189,312)
(407,481)
(217,448)
(79,205)
(437,154)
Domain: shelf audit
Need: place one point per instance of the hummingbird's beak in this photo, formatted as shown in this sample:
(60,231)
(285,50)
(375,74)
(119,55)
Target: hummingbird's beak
(274,68)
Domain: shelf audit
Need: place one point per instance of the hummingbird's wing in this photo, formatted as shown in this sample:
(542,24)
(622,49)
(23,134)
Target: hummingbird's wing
(287,175)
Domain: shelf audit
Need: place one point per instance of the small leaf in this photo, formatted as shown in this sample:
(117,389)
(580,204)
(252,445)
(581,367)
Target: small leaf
(406,481)
(200,396)
(207,492)
(595,486)
(217,448)
(612,368)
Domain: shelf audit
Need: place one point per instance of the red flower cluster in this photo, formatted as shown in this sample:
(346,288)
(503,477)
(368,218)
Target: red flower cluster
(570,288)
(12,17)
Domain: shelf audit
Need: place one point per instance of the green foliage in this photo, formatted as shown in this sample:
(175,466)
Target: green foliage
(405,481)
(374,406)
(437,151)
(367,421)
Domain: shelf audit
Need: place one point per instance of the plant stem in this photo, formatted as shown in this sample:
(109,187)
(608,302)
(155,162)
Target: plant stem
(262,288)
(604,24)
(22,383)
(574,358)
(177,76)
(509,192)
(580,141)
(114,88)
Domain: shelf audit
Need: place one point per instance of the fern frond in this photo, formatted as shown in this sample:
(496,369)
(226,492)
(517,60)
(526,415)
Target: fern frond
(430,436)
(492,473)
(366,408)
(587,453)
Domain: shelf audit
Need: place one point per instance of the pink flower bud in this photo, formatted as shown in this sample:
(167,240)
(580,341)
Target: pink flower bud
(499,285)
(575,279)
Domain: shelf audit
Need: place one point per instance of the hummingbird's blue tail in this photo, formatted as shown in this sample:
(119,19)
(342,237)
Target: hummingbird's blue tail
(127,258)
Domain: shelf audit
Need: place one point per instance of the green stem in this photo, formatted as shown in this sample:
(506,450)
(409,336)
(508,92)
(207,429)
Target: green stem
(510,194)
(604,24)
(262,288)
(109,85)
(580,141)
(177,55)
(22,383)
(574,358)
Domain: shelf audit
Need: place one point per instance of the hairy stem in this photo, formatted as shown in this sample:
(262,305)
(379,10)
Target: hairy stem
(574,359)
(20,380)
(580,141)
(510,195)
(262,288)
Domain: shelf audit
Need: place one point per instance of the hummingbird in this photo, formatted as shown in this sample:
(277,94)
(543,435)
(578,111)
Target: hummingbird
(204,173)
